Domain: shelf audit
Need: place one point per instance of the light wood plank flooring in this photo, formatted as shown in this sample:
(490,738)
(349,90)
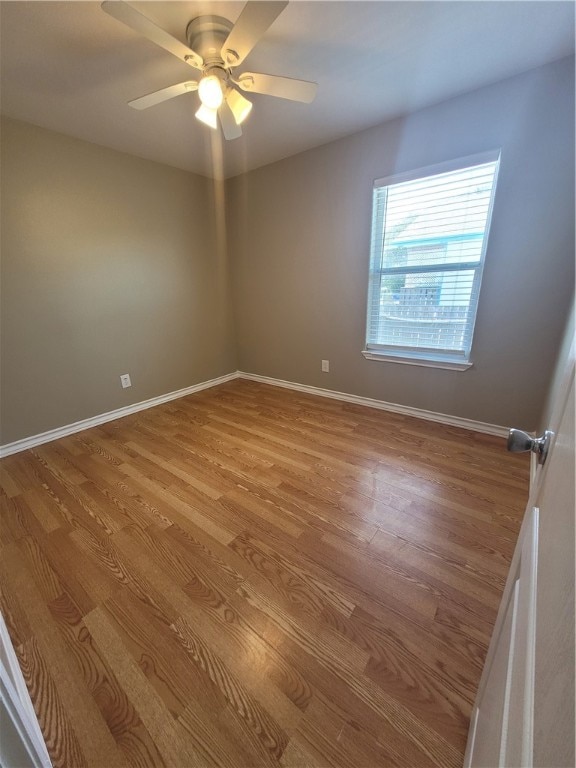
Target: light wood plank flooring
(250,576)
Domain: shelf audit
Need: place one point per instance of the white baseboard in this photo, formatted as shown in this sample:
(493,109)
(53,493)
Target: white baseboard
(94,421)
(405,410)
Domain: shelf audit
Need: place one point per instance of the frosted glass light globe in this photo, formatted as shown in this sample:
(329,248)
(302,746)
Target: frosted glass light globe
(210,92)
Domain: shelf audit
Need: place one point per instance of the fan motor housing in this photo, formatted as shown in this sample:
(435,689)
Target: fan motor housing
(206,35)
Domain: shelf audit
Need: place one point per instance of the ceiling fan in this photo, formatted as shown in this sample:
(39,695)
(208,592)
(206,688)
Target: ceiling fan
(216,47)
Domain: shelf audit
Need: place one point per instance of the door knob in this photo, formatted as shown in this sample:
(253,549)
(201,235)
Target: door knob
(520,441)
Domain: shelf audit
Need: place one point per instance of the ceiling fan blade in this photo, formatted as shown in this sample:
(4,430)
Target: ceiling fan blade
(139,23)
(252,23)
(156,97)
(273,85)
(228,123)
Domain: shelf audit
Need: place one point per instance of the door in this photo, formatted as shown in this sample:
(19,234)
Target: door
(524,711)
(22,743)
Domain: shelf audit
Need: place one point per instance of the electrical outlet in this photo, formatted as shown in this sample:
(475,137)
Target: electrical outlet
(125,380)
(326,366)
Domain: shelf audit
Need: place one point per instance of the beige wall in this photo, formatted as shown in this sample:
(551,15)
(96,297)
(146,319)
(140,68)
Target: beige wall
(300,234)
(557,390)
(110,265)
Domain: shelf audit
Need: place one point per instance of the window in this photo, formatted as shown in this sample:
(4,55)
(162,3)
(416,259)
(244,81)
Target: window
(429,234)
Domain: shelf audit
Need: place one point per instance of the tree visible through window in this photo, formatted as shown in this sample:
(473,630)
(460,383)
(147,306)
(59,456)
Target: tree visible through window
(429,234)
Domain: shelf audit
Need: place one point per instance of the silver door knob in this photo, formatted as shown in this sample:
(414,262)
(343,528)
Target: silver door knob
(520,441)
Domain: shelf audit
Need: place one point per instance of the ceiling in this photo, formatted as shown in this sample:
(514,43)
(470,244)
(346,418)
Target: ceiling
(70,67)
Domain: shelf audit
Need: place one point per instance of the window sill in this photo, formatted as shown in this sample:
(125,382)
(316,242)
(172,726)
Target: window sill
(427,362)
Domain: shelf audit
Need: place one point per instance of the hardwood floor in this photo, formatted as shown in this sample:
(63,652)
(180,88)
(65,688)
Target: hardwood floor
(250,576)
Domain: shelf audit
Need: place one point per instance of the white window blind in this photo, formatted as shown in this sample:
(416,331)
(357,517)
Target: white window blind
(429,234)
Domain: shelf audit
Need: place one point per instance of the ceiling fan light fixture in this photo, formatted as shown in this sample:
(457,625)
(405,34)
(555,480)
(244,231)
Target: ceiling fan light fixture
(210,91)
(240,106)
(215,47)
(207,116)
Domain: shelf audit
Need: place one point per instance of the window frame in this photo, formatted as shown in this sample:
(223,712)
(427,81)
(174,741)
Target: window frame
(431,357)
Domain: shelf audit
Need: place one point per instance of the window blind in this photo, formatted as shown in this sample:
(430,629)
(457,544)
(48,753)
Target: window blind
(429,236)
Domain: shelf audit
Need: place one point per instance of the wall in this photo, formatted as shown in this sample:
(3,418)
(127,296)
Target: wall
(560,381)
(110,264)
(300,231)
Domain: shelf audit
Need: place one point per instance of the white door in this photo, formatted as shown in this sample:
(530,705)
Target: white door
(22,743)
(524,711)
